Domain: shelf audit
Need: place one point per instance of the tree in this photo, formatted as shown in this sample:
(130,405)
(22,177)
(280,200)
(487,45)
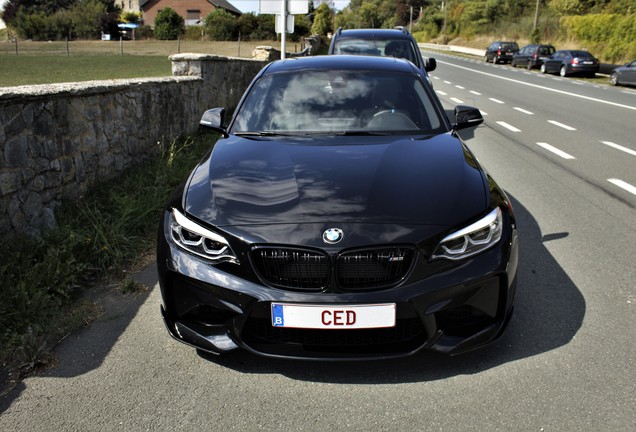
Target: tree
(169,25)
(323,20)
(221,25)
(87,17)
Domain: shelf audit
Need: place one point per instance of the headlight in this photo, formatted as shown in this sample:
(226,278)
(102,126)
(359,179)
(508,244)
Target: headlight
(199,240)
(473,239)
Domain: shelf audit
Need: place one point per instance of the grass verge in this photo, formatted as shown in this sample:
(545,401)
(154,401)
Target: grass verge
(99,236)
(47,69)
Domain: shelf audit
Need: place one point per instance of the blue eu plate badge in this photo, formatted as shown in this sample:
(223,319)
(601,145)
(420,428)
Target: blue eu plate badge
(277,315)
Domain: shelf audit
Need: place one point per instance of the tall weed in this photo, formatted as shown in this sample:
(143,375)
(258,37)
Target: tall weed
(98,235)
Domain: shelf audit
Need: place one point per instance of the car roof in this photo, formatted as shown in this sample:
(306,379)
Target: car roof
(380,34)
(344,62)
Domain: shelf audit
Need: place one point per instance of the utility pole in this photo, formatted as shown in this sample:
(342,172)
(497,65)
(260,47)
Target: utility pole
(283,36)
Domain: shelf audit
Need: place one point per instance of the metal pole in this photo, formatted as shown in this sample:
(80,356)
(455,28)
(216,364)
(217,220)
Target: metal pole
(283,44)
(536,15)
(239,45)
(121,45)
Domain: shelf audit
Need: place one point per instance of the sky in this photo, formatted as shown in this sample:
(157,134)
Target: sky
(252,5)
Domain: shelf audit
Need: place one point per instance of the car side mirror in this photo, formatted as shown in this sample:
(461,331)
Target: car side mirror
(467,116)
(213,119)
(430,64)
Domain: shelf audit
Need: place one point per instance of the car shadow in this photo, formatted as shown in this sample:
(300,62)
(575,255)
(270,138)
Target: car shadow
(549,310)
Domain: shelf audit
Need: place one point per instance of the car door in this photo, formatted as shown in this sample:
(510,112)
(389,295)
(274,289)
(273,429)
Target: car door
(629,76)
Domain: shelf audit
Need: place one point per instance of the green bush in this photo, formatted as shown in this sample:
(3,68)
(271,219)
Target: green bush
(144,32)
(220,25)
(194,33)
(611,37)
(169,25)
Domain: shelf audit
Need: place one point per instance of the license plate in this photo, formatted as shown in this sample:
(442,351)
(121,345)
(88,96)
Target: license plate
(588,62)
(333,316)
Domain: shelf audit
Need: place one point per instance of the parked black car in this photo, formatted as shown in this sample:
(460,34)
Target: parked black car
(532,56)
(397,42)
(624,75)
(339,216)
(500,51)
(571,62)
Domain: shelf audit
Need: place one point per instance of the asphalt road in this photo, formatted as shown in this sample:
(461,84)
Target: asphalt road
(566,363)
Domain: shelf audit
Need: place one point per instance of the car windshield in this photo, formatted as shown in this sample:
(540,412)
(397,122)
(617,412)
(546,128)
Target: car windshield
(334,101)
(401,48)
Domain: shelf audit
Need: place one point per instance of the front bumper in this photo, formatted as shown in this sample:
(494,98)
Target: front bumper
(450,312)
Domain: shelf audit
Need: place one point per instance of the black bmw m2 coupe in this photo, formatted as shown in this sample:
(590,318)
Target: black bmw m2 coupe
(340,217)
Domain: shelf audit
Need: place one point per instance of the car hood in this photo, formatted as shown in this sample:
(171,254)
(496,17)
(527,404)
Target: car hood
(380,179)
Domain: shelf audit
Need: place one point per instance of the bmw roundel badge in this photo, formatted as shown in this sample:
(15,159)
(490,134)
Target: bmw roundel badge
(332,235)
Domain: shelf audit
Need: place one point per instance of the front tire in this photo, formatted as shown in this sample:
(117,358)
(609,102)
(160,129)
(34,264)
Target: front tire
(614,79)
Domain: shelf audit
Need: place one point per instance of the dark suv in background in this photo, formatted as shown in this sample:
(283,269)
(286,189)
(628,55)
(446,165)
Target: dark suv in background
(500,51)
(532,56)
(397,42)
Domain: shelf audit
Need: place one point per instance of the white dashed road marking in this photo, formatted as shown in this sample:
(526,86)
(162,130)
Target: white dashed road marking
(623,185)
(561,125)
(459,101)
(524,111)
(555,150)
(496,100)
(620,147)
(475,93)
(509,127)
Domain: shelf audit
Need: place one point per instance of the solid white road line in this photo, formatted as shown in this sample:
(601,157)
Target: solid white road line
(630,107)
(620,147)
(555,150)
(623,185)
(561,125)
(524,111)
(509,127)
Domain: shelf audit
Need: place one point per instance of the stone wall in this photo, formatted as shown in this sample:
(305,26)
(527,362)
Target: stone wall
(58,140)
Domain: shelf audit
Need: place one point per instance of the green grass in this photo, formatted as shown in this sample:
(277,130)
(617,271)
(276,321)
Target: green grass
(50,62)
(46,69)
(99,237)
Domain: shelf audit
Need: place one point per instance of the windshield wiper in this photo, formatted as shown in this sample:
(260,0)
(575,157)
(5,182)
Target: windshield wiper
(262,133)
(360,133)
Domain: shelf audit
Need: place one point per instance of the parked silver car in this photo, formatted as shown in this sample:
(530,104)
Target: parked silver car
(624,75)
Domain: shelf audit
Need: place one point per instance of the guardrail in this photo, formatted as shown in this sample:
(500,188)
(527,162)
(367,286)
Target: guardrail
(454,48)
